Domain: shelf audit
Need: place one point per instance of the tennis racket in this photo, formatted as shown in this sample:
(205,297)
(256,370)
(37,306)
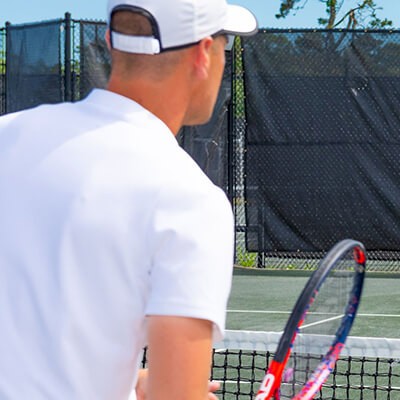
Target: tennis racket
(319,324)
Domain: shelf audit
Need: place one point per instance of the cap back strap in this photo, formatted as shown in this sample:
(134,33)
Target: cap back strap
(135,44)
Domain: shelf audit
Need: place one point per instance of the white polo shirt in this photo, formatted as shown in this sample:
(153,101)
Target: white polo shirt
(104,219)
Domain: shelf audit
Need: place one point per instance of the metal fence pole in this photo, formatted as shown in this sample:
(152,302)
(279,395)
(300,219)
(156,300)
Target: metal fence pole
(8,47)
(231,136)
(68,71)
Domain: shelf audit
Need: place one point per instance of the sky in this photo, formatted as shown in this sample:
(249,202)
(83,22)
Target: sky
(24,11)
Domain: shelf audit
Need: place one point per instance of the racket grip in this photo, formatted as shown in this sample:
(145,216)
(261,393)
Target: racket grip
(270,385)
(266,388)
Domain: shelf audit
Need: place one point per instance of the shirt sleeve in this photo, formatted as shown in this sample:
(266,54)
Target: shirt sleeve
(192,235)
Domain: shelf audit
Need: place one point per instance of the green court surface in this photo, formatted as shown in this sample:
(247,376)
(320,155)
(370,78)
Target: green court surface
(262,300)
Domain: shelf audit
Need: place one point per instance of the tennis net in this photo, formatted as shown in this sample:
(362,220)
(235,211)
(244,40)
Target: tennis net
(369,368)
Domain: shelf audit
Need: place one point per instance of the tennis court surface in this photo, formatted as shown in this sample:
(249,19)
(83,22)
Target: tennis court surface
(261,302)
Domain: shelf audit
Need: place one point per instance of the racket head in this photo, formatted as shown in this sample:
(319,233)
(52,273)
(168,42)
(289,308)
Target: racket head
(335,287)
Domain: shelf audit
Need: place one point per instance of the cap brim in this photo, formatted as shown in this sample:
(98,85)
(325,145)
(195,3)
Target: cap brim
(240,21)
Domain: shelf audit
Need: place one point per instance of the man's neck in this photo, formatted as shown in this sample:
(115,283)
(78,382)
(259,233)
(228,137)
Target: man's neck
(168,101)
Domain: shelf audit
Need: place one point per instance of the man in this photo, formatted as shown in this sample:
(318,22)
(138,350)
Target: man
(111,237)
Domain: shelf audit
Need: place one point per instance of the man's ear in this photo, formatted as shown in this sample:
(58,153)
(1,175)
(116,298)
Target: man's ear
(107,37)
(202,58)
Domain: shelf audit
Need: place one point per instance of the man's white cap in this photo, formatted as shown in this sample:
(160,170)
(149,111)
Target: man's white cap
(180,23)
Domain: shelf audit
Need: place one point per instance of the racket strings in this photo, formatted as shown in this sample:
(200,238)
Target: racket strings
(319,327)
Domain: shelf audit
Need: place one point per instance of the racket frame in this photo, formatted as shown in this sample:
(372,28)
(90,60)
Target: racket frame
(271,384)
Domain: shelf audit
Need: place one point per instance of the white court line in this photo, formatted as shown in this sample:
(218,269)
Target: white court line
(315,313)
(259,312)
(320,322)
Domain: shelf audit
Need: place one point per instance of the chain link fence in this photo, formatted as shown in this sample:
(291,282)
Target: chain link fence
(51,62)
(33,65)
(293,91)
(87,57)
(266,88)
(94,57)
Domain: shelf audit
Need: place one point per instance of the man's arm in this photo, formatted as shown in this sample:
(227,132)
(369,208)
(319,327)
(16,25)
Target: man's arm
(142,381)
(179,358)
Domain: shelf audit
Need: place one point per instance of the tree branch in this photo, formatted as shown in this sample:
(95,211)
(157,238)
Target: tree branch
(332,13)
(365,10)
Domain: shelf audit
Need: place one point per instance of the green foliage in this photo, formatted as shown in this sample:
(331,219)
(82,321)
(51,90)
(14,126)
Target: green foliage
(245,259)
(2,52)
(362,15)
(2,63)
(286,7)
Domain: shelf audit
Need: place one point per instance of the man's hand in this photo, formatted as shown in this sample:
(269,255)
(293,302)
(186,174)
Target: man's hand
(141,387)
(212,387)
(141,384)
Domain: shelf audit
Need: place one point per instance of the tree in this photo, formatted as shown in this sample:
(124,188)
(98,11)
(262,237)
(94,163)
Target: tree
(362,15)
(2,62)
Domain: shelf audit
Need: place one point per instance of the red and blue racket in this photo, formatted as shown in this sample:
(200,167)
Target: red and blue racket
(319,324)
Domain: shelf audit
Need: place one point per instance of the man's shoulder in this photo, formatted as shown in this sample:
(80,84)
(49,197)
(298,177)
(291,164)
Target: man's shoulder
(47,111)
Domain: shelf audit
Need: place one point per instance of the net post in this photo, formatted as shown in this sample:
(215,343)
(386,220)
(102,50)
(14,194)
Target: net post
(68,71)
